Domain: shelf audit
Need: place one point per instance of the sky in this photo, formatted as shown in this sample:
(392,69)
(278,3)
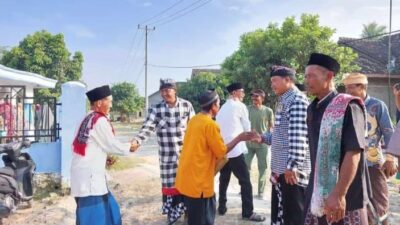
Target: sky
(105,31)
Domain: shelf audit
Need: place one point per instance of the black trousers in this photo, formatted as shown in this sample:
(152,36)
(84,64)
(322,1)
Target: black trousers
(293,203)
(200,211)
(238,166)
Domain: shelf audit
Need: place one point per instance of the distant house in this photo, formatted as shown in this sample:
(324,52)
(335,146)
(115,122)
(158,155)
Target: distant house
(196,72)
(373,60)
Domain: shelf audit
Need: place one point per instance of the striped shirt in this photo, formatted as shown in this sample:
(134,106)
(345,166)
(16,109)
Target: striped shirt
(289,143)
(170,124)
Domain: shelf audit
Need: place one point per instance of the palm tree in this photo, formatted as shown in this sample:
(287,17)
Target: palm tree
(372,30)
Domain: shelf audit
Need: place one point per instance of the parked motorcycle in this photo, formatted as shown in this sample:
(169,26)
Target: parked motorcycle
(15,177)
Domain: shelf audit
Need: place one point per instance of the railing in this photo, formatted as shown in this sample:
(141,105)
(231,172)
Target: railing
(29,118)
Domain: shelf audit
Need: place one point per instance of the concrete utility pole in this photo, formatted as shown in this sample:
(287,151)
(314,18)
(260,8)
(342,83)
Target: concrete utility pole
(389,65)
(146,29)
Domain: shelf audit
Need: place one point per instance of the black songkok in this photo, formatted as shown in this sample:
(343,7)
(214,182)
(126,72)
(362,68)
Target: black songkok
(207,97)
(282,71)
(98,93)
(234,86)
(325,61)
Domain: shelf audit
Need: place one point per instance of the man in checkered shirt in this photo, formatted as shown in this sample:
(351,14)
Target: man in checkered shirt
(290,158)
(168,119)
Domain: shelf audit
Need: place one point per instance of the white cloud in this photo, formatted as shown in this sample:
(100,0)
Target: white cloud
(80,31)
(147,4)
(234,8)
(251,1)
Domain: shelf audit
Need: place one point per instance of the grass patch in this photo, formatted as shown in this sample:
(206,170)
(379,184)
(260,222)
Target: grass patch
(127,126)
(124,163)
(394,181)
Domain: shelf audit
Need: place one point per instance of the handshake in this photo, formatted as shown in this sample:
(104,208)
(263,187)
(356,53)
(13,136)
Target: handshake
(134,145)
(250,136)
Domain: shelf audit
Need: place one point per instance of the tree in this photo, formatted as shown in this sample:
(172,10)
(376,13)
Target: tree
(290,44)
(3,50)
(126,99)
(47,55)
(192,89)
(372,30)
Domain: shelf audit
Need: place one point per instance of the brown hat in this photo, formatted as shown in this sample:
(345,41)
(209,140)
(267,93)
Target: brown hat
(355,78)
(258,92)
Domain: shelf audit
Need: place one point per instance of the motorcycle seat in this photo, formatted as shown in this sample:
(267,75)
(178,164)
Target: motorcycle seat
(7,171)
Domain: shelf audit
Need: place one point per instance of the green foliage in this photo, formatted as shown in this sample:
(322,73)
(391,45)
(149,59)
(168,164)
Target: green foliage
(47,55)
(290,44)
(126,98)
(200,83)
(3,50)
(372,30)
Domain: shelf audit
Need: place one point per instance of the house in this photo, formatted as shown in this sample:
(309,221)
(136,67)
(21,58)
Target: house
(196,72)
(20,115)
(25,117)
(373,60)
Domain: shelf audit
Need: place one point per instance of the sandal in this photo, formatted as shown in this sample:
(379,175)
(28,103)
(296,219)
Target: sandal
(255,217)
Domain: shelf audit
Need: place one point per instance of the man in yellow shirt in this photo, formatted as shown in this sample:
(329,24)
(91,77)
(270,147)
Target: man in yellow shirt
(203,146)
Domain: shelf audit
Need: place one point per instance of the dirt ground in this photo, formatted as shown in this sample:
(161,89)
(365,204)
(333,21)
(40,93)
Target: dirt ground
(137,190)
(136,185)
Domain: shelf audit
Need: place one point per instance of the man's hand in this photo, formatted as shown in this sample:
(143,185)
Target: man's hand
(134,145)
(256,137)
(389,167)
(249,136)
(290,177)
(335,206)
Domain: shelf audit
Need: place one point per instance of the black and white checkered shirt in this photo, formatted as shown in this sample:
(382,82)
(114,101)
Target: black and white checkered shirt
(289,143)
(170,124)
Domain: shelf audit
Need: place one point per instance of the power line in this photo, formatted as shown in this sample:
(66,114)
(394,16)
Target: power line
(129,52)
(139,75)
(180,13)
(132,57)
(162,12)
(183,67)
(168,21)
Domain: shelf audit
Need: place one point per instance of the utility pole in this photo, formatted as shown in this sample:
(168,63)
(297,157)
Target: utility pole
(389,65)
(146,104)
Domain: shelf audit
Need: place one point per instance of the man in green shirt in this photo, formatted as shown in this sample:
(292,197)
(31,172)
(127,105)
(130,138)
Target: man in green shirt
(261,118)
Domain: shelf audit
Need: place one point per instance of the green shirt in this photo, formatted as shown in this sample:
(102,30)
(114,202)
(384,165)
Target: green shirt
(261,119)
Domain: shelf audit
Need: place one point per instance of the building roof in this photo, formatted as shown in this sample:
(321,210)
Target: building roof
(373,53)
(196,72)
(9,76)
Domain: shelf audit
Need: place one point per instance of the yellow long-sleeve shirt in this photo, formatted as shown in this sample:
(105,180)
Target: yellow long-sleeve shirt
(202,147)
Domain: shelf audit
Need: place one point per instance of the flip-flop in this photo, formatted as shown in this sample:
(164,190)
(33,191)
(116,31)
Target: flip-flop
(255,217)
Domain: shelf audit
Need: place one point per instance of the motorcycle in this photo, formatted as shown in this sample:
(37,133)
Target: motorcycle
(16,177)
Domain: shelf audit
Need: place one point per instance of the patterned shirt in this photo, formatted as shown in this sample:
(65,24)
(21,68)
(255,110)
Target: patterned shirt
(289,143)
(170,124)
(379,126)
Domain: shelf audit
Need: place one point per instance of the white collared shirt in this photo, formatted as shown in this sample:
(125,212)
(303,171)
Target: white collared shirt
(233,119)
(88,173)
